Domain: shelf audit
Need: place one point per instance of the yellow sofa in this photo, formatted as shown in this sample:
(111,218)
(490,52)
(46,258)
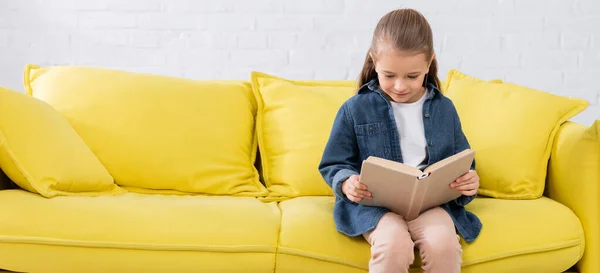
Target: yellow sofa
(221,176)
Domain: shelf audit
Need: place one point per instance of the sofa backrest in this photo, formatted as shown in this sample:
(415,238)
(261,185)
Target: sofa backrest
(164,134)
(156,133)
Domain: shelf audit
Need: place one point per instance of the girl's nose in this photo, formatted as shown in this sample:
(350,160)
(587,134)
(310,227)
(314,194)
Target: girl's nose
(399,85)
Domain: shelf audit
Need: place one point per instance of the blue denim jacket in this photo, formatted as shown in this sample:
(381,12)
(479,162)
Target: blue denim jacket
(365,126)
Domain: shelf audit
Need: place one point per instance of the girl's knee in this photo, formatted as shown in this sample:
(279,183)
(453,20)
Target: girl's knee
(391,241)
(403,244)
(441,244)
(399,248)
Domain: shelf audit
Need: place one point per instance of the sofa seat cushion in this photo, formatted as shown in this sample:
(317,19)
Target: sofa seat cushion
(538,235)
(136,233)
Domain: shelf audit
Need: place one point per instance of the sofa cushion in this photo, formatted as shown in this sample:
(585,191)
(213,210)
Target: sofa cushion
(156,133)
(518,236)
(293,122)
(512,128)
(40,151)
(137,233)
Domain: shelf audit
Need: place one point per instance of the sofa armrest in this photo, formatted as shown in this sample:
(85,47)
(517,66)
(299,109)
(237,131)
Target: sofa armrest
(574,180)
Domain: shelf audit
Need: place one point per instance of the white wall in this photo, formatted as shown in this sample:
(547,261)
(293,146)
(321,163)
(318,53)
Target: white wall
(552,45)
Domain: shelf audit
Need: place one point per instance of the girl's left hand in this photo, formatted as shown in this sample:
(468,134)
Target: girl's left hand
(468,184)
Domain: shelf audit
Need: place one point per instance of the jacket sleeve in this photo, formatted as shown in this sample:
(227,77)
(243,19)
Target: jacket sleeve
(461,143)
(340,156)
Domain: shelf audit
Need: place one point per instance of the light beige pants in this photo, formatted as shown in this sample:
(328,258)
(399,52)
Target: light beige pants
(393,241)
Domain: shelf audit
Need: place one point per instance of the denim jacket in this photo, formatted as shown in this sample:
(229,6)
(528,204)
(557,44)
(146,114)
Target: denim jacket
(365,126)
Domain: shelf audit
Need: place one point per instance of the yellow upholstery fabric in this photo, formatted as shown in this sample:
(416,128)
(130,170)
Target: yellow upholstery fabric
(574,180)
(444,84)
(42,153)
(544,237)
(512,128)
(293,123)
(144,232)
(287,263)
(159,133)
(35,258)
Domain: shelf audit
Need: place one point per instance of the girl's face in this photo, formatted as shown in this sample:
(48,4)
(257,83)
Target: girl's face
(401,74)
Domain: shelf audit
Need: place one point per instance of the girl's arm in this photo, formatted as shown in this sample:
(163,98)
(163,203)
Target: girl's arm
(461,143)
(340,157)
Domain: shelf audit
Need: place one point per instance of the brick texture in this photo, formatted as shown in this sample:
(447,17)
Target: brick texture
(551,45)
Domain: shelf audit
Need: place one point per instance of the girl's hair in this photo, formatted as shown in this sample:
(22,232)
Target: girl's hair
(406,30)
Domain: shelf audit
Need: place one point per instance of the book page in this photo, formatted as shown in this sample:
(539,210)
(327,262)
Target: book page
(437,184)
(395,166)
(467,153)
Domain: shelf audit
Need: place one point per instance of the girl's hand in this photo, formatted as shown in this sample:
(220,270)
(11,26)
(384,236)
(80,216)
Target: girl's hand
(468,184)
(354,190)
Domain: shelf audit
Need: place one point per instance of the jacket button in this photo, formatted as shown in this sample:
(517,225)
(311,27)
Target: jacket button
(430,143)
(427,114)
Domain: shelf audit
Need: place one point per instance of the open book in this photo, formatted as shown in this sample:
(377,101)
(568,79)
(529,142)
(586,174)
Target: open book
(409,191)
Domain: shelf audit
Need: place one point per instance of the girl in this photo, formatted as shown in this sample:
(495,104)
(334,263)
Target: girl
(399,113)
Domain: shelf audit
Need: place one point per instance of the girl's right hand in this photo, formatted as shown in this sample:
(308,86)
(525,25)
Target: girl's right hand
(354,190)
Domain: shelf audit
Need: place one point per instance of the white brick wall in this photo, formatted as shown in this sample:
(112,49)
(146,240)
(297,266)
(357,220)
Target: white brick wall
(552,45)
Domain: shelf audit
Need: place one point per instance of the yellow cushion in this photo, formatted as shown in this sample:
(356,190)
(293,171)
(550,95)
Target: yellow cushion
(158,133)
(137,233)
(512,128)
(42,153)
(293,122)
(546,237)
(444,84)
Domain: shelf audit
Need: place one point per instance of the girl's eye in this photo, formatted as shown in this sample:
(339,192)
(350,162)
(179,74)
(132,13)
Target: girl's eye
(389,76)
(412,77)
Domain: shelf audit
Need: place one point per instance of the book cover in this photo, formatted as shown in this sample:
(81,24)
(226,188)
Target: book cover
(409,191)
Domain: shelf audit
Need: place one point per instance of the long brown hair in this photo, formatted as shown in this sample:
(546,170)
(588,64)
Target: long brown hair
(406,30)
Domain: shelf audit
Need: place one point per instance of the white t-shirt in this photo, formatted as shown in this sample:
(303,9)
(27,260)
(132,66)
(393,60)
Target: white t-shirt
(409,120)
